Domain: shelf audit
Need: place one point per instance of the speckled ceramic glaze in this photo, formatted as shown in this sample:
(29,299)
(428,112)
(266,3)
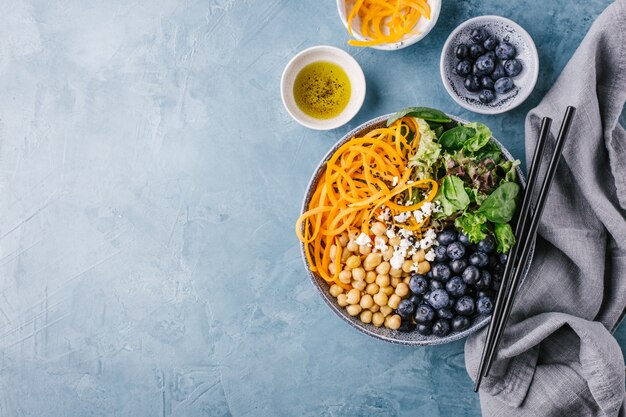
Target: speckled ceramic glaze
(505,30)
(393,336)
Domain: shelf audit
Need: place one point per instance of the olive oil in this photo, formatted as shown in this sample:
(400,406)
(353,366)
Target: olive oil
(322,90)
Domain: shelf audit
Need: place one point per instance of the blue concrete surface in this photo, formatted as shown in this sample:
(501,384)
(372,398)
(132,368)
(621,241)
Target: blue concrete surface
(150,183)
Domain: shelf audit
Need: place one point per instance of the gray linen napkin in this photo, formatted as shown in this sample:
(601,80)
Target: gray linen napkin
(558,356)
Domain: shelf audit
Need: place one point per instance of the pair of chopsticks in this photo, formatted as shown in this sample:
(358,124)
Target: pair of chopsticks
(525,232)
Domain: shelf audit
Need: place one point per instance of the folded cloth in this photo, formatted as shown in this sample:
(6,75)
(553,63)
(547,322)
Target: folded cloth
(558,356)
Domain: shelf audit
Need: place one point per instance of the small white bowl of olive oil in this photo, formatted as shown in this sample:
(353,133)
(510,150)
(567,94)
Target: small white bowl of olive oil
(322,87)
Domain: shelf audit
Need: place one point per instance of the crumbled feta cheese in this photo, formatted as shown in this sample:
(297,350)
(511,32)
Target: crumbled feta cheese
(427,208)
(379,244)
(395,181)
(384,215)
(363,239)
(410,182)
(419,215)
(402,217)
(430,234)
(405,233)
(397,260)
(414,267)
(390,233)
(430,255)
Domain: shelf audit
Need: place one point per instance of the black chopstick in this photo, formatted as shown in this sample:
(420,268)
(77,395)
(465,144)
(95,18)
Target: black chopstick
(513,253)
(525,242)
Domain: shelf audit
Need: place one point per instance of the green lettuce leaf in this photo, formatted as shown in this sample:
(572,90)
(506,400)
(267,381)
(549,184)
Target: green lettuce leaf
(480,138)
(473,225)
(427,155)
(504,237)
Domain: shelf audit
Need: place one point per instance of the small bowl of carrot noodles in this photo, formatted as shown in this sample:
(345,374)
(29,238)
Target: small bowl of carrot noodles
(388,24)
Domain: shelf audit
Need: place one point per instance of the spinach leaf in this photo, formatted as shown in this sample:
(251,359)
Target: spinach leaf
(504,237)
(490,151)
(425,113)
(473,225)
(452,196)
(438,130)
(480,138)
(455,138)
(500,206)
(506,170)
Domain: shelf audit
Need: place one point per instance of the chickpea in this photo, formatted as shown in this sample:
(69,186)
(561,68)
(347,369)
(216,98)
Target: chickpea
(374,308)
(378,229)
(344,239)
(407,280)
(423,267)
(382,280)
(395,241)
(419,256)
(366,316)
(378,319)
(359,285)
(386,310)
(365,249)
(332,268)
(354,309)
(372,288)
(393,322)
(370,277)
(406,266)
(353,262)
(333,251)
(358,274)
(345,255)
(372,261)
(367,301)
(381,298)
(388,254)
(387,290)
(354,296)
(393,302)
(342,300)
(345,277)
(402,289)
(395,272)
(383,268)
(335,290)
(395,281)
(352,246)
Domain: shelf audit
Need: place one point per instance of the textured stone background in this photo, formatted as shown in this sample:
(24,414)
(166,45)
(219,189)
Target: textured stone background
(150,182)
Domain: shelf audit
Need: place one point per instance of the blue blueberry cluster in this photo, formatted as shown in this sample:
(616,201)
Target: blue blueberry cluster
(462,283)
(487,65)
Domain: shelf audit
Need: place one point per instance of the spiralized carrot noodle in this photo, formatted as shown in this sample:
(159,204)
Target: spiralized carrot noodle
(386,21)
(363,177)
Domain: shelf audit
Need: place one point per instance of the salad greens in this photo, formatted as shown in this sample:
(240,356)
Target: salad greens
(478,190)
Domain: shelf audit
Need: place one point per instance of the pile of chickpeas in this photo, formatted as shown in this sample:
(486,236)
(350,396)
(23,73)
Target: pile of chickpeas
(377,288)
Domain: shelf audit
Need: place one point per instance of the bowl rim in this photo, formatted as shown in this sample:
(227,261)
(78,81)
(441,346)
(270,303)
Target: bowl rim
(339,311)
(357,81)
(435,12)
(524,93)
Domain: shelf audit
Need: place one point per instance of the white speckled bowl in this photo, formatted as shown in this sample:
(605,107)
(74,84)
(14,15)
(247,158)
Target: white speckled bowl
(505,30)
(423,25)
(393,336)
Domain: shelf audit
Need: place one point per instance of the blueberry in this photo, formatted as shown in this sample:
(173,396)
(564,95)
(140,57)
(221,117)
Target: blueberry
(441,254)
(484,65)
(426,297)
(471,275)
(445,313)
(436,285)
(464,239)
(461,51)
(503,257)
(460,323)
(479,259)
(485,280)
(446,237)
(425,313)
(486,96)
(491,55)
(487,245)
(456,287)
(456,250)
(497,271)
(452,302)
(406,309)
(490,43)
(406,326)
(429,274)
(463,68)
(493,260)
(441,272)
(472,83)
(512,67)
(486,82)
(458,265)
(503,85)
(485,293)
(424,329)
(441,328)
(416,299)
(465,306)
(479,35)
(476,51)
(505,51)
(418,284)
(495,285)
(484,305)
(438,299)
(498,72)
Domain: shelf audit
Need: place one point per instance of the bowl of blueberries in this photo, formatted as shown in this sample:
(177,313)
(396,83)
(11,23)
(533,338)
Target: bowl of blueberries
(489,64)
